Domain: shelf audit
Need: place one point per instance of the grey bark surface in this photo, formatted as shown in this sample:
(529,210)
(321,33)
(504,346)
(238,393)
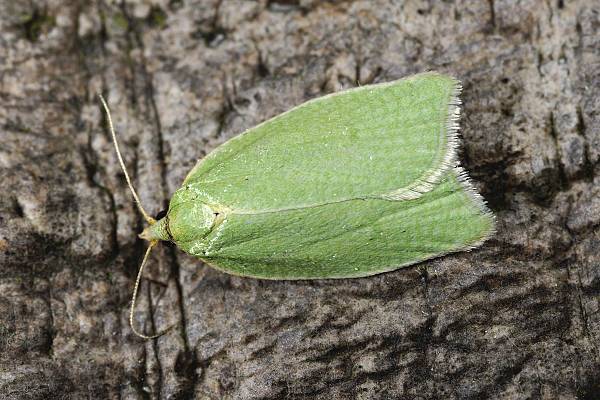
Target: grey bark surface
(518,318)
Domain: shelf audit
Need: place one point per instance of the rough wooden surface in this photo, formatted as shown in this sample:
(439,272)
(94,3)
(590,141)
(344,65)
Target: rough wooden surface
(517,319)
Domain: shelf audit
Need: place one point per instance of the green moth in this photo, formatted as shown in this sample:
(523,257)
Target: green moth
(348,185)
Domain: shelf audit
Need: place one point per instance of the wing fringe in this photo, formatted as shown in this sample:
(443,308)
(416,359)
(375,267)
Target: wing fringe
(450,160)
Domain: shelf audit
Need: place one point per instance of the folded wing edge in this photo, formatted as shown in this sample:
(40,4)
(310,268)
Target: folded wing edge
(433,175)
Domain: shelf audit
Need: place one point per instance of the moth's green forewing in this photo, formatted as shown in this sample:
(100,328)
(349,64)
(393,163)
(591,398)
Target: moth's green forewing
(351,184)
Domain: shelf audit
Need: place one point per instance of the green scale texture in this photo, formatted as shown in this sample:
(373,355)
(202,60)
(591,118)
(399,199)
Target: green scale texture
(307,193)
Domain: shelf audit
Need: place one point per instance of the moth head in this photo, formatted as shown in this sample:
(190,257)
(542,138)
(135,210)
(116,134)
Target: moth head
(157,231)
(187,219)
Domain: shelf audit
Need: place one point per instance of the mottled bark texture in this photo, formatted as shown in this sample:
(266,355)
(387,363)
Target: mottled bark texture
(516,319)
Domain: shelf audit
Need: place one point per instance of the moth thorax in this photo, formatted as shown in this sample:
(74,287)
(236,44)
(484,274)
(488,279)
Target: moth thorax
(189,220)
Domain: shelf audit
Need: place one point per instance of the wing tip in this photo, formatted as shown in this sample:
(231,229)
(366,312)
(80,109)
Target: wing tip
(450,158)
(478,200)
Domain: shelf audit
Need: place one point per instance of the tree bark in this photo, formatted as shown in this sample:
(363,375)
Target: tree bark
(518,318)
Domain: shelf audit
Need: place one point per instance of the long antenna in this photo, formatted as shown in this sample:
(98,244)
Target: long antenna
(147,217)
(133,298)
